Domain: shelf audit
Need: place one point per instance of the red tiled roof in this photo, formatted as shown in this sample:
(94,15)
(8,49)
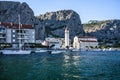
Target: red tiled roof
(26,26)
(5,24)
(15,26)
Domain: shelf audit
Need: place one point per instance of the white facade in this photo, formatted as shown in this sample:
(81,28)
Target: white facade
(67,37)
(28,36)
(31,37)
(58,42)
(76,43)
(85,42)
(8,36)
(45,43)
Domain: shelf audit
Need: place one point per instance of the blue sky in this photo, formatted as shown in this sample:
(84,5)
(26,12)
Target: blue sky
(87,9)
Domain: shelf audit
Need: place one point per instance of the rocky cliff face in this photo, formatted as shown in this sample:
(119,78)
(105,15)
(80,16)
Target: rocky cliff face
(107,31)
(56,22)
(49,24)
(9,13)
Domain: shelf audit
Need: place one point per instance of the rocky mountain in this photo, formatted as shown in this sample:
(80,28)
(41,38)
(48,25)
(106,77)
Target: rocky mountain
(9,11)
(56,22)
(107,31)
(46,25)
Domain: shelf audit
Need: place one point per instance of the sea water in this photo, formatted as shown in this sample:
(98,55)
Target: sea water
(91,65)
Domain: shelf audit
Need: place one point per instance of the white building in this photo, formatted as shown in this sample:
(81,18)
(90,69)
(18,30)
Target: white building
(84,42)
(14,34)
(67,37)
(57,42)
(44,43)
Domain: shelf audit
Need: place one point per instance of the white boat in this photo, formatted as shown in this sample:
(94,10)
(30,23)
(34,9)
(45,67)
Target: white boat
(57,51)
(15,51)
(41,50)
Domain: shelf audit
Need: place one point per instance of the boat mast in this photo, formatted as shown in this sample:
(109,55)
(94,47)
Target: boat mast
(19,30)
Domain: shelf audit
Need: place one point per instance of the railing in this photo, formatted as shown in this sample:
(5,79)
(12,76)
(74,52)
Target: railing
(2,32)
(23,38)
(23,33)
(2,41)
(2,36)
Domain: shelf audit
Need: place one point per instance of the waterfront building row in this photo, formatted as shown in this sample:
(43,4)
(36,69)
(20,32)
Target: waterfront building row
(79,42)
(13,33)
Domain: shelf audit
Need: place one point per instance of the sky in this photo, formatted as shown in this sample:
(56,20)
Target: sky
(87,9)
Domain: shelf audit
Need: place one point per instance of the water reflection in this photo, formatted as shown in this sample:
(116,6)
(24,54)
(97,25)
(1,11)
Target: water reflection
(73,59)
(72,66)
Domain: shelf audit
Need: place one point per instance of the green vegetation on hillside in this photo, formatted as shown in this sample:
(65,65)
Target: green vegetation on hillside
(95,24)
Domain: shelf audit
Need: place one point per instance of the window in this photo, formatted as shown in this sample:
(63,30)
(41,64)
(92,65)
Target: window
(13,40)
(13,31)
(33,32)
(13,35)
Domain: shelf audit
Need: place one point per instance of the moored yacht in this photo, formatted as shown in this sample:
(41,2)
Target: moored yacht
(57,51)
(15,51)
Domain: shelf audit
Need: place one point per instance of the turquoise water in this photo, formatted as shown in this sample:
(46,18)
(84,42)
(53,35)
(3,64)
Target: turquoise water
(72,66)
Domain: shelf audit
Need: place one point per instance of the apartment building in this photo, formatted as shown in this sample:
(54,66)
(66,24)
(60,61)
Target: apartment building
(15,33)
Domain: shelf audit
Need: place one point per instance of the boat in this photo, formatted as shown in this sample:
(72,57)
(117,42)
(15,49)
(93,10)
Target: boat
(75,49)
(41,50)
(20,50)
(57,51)
(15,51)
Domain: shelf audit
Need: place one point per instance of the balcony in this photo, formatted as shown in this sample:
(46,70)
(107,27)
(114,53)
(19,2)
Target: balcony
(2,32)
(2,36)
(2,41)
(22,33)
(22,38)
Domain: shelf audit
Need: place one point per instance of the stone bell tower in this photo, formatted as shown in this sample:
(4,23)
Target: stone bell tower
(66,37)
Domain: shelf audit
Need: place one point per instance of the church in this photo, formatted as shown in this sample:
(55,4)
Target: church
(85,42)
